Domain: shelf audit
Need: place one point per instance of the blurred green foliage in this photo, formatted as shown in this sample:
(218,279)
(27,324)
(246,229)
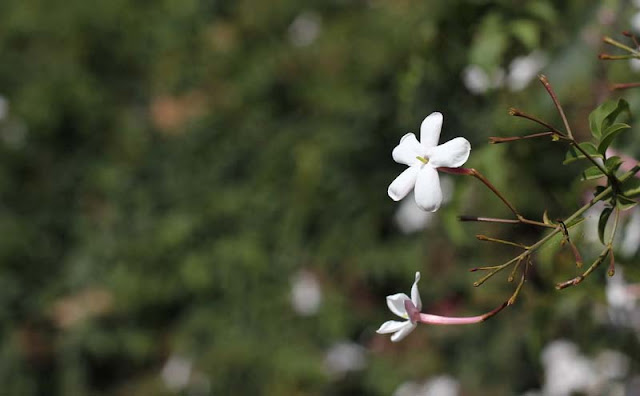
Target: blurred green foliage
(166,168)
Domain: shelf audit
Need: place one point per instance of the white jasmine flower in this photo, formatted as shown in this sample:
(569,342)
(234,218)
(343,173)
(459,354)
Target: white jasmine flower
(396,304)
(410,309)
(423,158)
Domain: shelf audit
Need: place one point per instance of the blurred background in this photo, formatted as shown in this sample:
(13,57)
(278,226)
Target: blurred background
(193,198)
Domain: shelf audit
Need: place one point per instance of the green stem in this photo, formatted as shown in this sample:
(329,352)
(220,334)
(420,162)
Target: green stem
(618,44)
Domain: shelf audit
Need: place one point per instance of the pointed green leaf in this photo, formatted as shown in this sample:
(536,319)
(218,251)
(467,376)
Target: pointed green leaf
(592,173)
(602,222)
(605,115)
(609,134)
(612,164)
(625,203)
(527,31)
(573,154)
(631,187)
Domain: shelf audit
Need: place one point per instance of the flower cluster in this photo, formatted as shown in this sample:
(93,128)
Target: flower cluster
(424,158)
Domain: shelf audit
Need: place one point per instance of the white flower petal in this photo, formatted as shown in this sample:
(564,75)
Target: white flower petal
(407,150)
(451,154)
(415,294)
(427,191)
(391,326)
(430,130)
(396,304)
(403,332)
(400,187)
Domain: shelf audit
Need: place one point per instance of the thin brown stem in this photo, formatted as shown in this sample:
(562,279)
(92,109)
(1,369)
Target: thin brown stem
(517,113)
(502,241)
(625,86)
(608,250)
(615,57)
(488,219)
(590,158)
(547,86)
(497,140)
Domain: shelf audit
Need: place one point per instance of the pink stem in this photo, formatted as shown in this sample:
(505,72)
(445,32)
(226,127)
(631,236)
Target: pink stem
(417,316)
(456,171)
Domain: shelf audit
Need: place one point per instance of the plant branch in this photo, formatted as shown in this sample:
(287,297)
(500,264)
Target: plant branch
(547,86)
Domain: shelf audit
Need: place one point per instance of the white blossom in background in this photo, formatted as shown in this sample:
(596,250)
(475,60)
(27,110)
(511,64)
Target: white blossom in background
(612,365)
(617,292)
(478,81)
(176,372)
(424,157)
(305,29)
(306,294)
(631,235)
(523,69)
(634,64)
(344,357)
(566,370)
(410,218)
(443,385)
(4,108)
(622,301)
(635,22)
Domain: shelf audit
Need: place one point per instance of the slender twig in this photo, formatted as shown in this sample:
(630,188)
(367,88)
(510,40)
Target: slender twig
(616,57)
(488,219)
(518,113)
(512,300)
(608,250)
(625,86)
(547,86)
(618,44)
(496,240)
(559,229)
(497,140)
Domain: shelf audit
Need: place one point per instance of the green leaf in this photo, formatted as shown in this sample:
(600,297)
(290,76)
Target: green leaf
(592,173)
(573,154)
(624,203)
(489,43)
(609,134)
(605,115)
(631,187)
(602,222)
(612,164)
(542,10)
(527,32)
